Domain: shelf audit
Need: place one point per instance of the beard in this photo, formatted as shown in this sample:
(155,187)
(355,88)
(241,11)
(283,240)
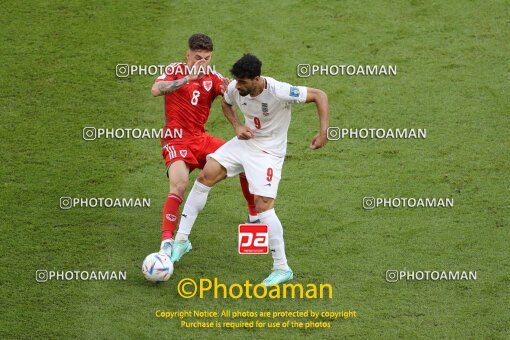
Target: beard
(244,93)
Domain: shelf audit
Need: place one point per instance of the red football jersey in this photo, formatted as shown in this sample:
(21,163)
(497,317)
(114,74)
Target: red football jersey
(188,107)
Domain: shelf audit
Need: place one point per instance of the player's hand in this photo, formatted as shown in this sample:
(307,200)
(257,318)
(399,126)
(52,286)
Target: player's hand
(318,141)
(224,84)
(225,81)
(198,70)
(244,133)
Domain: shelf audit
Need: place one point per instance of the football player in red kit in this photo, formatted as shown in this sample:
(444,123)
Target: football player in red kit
(189,89)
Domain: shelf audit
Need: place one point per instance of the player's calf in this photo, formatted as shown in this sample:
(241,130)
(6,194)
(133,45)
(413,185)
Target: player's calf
(277,246)
(253,216)
(178,174)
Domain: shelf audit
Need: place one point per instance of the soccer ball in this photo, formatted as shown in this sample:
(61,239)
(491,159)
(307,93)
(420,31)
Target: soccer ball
(157,267)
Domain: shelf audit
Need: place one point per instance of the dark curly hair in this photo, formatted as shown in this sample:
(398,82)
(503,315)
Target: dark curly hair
(200,41)
(248,66)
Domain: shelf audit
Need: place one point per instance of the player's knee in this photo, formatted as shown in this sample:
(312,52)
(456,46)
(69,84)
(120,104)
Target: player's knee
(207,178)
(211,174)
(263,203)
(178,187)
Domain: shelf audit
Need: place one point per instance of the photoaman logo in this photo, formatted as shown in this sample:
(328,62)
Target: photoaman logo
(44,275)
(189,288)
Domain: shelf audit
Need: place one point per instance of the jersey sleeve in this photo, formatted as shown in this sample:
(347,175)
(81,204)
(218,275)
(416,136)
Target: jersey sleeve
(289,93)
(228,96)
(169,73)
(219,87)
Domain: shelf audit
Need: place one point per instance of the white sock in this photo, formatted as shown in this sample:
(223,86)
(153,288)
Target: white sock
(194,204)
(276,244)
(165,241)
(181,237)
(253,218)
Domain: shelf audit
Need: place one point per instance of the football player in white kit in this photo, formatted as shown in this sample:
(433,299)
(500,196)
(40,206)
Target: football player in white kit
(258,150)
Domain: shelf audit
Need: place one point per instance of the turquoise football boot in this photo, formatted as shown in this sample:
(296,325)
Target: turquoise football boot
(179,249)
(278,276)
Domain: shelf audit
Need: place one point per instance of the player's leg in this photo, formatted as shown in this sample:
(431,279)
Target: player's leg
(250,199)
(267,215)
(212,173)
(263,172)
(178,176)
(213,144)
(179,159)
(224,162)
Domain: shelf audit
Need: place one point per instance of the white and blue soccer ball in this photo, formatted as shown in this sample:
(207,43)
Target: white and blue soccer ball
(157,267)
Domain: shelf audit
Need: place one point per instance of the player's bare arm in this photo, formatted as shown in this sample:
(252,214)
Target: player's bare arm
(165,87)
(242,131)
(161,88)
(321,101)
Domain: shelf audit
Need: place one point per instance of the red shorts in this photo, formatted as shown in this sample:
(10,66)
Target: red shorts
(192,150)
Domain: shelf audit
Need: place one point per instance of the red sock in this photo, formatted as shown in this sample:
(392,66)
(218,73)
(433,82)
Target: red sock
(250,200)
(170,216)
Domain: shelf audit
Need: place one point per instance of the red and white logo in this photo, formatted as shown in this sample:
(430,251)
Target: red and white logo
(183,153)
(253,239)
(171,217)
(207,84)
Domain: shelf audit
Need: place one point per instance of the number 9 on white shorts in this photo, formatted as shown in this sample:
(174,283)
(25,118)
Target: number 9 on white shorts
(263,171)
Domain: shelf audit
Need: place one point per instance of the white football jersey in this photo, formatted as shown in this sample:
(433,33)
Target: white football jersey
(268,114)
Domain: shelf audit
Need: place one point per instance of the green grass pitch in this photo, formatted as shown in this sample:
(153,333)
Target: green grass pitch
(58,76)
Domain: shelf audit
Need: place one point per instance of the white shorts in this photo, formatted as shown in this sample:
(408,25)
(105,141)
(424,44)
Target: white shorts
(263,171)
